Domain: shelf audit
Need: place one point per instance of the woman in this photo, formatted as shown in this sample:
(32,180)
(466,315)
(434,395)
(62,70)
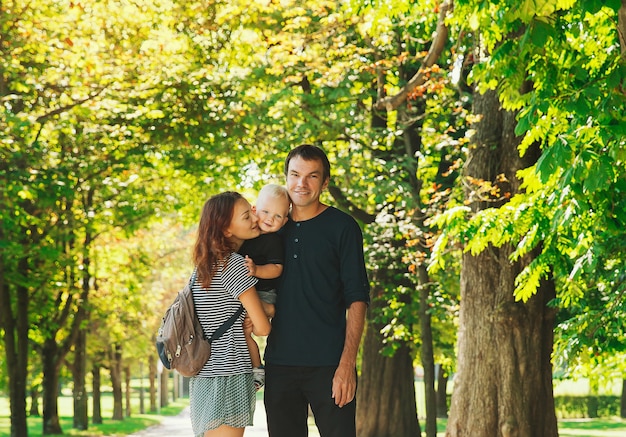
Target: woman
(222,395)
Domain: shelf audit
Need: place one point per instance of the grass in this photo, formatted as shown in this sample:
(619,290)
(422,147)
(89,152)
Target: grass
(608,427)
(109,427)
(604,427)
(612,427)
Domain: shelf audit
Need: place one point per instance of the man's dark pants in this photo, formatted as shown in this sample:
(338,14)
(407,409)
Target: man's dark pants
(289,391)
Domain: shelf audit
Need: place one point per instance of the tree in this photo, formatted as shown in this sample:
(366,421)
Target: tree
(504,368)
(518,252)
(416,86)
(70,155)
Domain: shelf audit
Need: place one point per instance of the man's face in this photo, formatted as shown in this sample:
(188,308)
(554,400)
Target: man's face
(305,181)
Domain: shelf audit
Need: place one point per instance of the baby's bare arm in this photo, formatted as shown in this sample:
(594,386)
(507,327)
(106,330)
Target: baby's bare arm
(266,271)
(269,271)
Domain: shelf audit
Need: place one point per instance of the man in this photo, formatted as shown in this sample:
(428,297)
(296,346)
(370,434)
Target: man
(323,295)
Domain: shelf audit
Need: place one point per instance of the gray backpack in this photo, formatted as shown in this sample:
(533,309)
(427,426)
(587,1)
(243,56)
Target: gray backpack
(180,342)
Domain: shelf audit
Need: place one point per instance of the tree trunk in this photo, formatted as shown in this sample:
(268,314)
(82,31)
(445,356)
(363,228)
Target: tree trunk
(621,26)
(97,404)
(116,382)
(622,410)
(385,402)
(175,380)
(410,121)
(164,378)
(428,361)
(34,401)
(15,328)
(128,389)
(142,395)
(503,386)
(152,375)
(79,371)
(50,385)
(81,398)
(442,392)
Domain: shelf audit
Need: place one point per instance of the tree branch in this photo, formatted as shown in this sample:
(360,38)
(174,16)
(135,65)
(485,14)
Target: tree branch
(352,209)
(621,27)
(65,108)
(439,42)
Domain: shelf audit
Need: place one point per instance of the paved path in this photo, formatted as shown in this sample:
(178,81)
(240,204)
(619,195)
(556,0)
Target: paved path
(180,426)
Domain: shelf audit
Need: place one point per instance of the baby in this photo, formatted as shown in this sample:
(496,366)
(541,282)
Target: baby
(265,257)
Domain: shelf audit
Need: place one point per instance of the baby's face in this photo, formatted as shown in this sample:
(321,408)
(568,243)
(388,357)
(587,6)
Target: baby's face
(272,213)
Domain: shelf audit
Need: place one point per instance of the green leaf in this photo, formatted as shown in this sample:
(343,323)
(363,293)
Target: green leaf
(600,174)
(613,4)
(541,31)
(528,280)
(523,125)
(593,6)
(553,158)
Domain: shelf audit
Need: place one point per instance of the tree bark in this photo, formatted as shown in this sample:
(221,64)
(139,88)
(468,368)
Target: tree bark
(15,328)
(54,349)
(142,392)
(50,353)
(503,386)
(116,382)
(164,396)
(386,404)
(175,381)
(442,392)
(81,399)
(621,26)
(152,375)
(427,354)
(79,371)
(34,401)
(97,404)
(622,409)
(127,391)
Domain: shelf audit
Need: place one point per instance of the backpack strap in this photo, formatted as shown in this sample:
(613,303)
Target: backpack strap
(188,295)
(222,329)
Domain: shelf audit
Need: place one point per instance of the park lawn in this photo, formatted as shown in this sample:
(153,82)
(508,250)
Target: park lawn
(607,427)
(109,427)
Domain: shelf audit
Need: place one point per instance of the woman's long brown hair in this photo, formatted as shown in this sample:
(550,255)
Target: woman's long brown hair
(212,247)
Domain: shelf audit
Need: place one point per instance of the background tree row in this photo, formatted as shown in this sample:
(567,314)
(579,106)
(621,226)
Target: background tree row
(480,145)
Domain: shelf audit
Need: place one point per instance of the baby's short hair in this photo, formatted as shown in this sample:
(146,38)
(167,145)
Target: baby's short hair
(275,191)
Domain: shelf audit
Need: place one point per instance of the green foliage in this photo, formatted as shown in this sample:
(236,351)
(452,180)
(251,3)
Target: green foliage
(568,51)
(558,64)
(586,406)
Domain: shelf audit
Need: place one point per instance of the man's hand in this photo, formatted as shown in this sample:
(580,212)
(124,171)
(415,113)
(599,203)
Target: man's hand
(344,385)
(344,381)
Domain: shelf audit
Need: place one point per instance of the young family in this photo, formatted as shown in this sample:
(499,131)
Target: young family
(299,263)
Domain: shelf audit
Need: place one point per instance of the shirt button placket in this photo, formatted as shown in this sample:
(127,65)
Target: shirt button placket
(296,240)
